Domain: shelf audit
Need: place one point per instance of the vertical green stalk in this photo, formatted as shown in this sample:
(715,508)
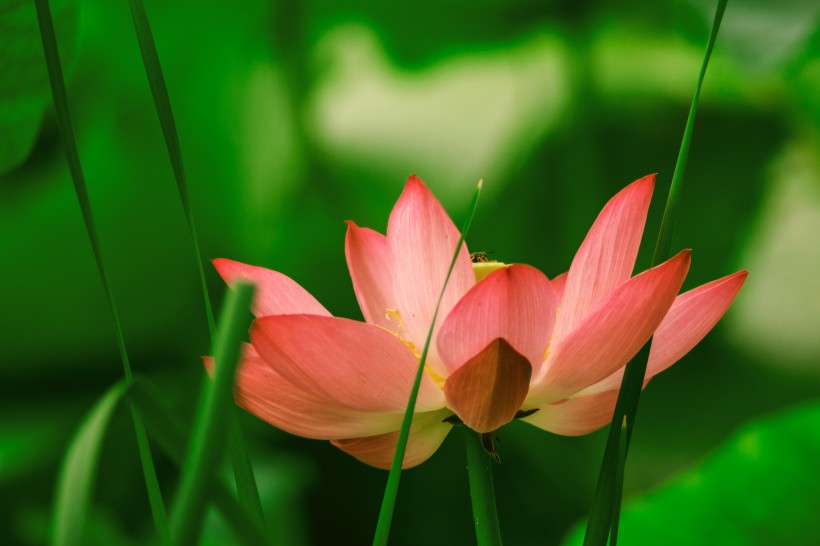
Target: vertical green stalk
(392,488)
(60,97)
(162,104)
(606,504)
(482,491)
(208,439)
(243,470)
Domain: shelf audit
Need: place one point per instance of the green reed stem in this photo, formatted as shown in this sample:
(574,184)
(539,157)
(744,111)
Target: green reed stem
(208,439)
(392,488)
(60,97)
(482,491)
(243,470)
(606,504)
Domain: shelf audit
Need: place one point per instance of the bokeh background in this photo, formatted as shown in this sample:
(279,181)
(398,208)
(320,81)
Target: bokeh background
(295,116)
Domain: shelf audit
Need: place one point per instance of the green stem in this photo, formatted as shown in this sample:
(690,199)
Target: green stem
(482,491)
(606,504)
(243,469)
(60,97)
(207,443)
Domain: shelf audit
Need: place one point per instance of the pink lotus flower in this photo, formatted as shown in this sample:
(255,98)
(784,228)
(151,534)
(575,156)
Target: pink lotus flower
(511,342)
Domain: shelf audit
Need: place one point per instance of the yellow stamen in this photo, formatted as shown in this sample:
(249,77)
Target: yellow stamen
(482,269)
(393,315)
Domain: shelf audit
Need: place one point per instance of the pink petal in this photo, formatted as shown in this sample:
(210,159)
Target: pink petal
(358,365)
(607,255)
(426,435)
(368,259)
(691,317)
(559,283)
(487,391)
(276,294)
(515,303)
(576,416)
(266,394)
(610,336)
(422,240)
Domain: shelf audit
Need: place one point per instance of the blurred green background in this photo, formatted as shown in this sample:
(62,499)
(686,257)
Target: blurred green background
(295,116)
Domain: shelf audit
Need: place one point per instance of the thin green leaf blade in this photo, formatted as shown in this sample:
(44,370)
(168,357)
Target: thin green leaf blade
(392,487)
(208,438)
(78,473)
(670,214)
(60,97)
(606,504)
(162,104)
(243,470)
(169,433)
(243,474)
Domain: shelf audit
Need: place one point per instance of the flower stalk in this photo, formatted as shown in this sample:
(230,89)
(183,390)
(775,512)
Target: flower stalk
(482,491)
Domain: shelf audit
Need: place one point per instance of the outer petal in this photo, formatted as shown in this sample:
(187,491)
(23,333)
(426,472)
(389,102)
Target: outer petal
(276,294)
(690,318)
(610,336)
(422,241)
(607,255)
(358,365)
(489,389)
(426,435)
(515,303)
(266,394)
(368,259)
(559,284)
(576,416)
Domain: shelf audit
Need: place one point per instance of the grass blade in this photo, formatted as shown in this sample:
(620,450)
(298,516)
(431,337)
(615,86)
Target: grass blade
(60,97)
(162,104)
(392,488)
(169,433)
(243,470)
(670,213)
(78,473)
(208,438)
(606,504)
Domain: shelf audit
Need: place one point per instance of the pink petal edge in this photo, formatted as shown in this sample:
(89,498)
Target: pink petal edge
(269,396)
(606,258)
(358,365)
(276,294)
(515,303)
(369,263)
(691,317)
(422,240)
(426,435)
(610,336)
(576,416)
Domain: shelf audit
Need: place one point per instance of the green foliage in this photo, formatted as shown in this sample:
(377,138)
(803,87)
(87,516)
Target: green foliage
(78,475)
(761,487)
(24,93)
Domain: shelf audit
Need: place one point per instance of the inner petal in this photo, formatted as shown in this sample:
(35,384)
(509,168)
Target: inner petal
(489,389)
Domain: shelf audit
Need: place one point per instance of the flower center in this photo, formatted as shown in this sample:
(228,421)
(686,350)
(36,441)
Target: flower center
(483,266)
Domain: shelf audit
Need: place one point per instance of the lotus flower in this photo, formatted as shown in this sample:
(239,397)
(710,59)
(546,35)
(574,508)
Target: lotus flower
(510,344)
